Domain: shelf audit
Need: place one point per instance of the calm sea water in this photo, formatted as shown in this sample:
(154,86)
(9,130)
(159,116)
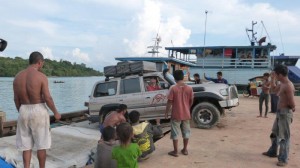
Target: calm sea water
(68,96)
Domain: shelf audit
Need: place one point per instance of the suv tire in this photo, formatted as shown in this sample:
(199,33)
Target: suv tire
(205,115)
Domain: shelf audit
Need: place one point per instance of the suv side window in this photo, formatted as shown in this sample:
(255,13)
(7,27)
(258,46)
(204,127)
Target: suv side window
(106,89)
(130,86)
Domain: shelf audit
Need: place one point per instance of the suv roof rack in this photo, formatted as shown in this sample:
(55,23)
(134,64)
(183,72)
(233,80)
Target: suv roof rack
(126,68)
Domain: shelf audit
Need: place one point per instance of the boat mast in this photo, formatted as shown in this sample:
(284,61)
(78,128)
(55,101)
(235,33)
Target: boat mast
(253,40)
(154,49)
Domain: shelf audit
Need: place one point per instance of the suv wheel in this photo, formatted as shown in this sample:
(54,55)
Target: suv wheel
(205,115)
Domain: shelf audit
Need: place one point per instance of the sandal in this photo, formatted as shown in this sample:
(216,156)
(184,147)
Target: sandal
(184,152)
(172,153)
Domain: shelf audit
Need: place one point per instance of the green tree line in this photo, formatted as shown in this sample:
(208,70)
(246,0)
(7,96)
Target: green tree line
(9,67)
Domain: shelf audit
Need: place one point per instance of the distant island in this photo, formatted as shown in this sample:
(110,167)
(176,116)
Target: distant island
(9,67)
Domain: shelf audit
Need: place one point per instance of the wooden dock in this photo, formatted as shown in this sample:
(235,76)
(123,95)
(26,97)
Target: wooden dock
(8,128)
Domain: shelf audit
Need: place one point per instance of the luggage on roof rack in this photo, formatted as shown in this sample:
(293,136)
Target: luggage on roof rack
(129,68)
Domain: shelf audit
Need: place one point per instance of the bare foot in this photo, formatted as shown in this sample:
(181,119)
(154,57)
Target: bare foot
(184,152)
(259,116)
(266,116)
(173,153)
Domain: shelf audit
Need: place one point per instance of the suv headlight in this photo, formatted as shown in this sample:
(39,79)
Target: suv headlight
(224,92)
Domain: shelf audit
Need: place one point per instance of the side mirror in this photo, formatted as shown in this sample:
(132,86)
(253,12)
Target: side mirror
(3,45)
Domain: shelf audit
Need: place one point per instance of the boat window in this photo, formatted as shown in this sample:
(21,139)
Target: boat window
(245,54)
(105,89)
(287,62)
(131,85)
(212,53)
(261,53)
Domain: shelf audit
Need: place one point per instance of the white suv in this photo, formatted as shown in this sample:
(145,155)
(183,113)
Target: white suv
(210,100)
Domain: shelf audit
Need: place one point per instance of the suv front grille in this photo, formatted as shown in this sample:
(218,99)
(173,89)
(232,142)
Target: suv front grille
(233,94)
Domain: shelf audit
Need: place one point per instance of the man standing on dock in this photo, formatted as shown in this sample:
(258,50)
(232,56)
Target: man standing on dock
(180,101)
(264,95)
(286,106)
(31,92)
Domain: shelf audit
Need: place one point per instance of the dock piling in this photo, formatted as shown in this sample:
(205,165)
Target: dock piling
(2,120)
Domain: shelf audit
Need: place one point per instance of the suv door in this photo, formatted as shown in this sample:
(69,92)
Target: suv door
(155,101)
(104,93)
(130,94)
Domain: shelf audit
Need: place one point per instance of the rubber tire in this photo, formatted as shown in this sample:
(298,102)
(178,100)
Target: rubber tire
(245,93)
(214,111)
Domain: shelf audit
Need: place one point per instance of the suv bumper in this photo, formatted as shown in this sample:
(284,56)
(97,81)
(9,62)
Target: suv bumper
(229,103)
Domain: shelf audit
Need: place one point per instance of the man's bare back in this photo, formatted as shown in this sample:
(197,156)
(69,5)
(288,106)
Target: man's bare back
(114,119)
(28,85)
(31,87)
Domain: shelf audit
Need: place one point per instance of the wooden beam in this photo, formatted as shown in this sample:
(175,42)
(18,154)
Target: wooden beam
(1,127)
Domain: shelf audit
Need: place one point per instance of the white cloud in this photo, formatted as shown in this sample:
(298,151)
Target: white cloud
(129,4)
(47,53)
(80,56)
(41,25)
(150,22)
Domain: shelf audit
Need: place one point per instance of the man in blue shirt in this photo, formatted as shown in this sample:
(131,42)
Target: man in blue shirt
(219,78)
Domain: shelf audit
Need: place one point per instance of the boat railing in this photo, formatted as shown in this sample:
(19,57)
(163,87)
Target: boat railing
(232,63)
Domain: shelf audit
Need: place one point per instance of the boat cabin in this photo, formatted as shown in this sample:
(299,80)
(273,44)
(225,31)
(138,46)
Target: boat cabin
(225,56)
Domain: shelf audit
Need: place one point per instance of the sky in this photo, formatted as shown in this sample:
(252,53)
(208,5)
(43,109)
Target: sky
(94,32)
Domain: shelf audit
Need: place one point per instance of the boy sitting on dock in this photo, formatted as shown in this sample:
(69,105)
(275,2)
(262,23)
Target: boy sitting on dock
(144,133)
(104,149)
(126,153)
(115,118)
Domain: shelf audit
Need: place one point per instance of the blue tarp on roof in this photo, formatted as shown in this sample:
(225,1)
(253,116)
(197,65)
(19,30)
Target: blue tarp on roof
(294,74)
(4,164)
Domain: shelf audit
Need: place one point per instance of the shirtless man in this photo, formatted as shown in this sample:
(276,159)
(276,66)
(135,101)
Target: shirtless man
(286,106)
(31,92)
(264,95)
(115,117)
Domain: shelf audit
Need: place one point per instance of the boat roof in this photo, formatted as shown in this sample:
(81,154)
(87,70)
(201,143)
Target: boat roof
(186,49)
(286,57)
(155,59)
(256,77)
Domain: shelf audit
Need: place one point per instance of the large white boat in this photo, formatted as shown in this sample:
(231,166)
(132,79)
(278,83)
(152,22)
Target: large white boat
(237,63)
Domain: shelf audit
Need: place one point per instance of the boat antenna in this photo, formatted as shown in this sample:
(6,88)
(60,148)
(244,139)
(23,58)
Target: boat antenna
(280,35)
(206,11)
(172,43)
(266,31)
(253,39)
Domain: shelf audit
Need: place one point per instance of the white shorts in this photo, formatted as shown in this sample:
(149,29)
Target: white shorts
(33,129)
